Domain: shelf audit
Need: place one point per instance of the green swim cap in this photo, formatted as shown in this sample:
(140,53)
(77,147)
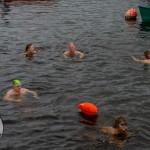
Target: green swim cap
(16,82)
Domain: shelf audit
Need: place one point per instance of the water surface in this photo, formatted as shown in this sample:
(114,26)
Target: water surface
(106,77)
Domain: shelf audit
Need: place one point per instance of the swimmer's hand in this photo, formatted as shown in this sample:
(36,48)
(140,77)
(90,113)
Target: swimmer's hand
(80,54)
(17,100)
(135,59)
(34,93)
(35,96)
(23,54)
(138,60)
(35,50)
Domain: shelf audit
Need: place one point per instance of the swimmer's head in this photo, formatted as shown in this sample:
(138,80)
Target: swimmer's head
(16,83)
(121,124)
(72,46)
(147,54)
(29,47)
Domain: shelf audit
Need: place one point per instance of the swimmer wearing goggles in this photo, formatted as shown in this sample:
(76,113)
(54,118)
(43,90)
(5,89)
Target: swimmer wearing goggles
(118,132)
(15,94)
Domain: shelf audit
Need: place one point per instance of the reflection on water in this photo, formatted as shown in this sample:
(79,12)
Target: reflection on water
(106,76)
(131,22)
(88,120)
(145,26)
(5,9)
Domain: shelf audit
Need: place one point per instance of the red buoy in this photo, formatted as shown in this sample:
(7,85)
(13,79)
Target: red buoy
(88,108)
(131,14)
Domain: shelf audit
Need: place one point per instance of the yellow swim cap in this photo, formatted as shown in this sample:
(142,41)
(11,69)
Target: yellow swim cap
(16,82)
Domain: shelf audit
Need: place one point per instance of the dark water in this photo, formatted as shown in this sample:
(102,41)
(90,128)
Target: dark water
(106,77)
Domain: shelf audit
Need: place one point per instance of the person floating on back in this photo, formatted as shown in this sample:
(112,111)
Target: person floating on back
(118,132)
(145,60)
(72,52)
(15,94)
(30,51)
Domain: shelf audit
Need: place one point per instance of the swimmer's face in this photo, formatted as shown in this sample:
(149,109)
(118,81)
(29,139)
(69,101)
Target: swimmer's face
(72,47)
(17,88)
(122,126)
(31,48)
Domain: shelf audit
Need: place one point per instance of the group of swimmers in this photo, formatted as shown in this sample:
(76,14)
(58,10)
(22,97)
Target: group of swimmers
(119,129)
(117,133)
(15,94)
(30,51)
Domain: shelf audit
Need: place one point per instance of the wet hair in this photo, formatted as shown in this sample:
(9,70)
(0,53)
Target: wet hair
(118,121)
(28,46)
(146,53)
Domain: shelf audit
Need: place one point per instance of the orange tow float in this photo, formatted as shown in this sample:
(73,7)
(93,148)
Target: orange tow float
(131,14)
(88,108)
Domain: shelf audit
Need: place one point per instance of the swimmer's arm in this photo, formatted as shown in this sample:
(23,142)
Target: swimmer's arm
(104,130)
(22,54)
(81,55)
(34,93)
(35,50)
(8,97)
(138,60)
(65,54)
(128,134)
(109,130)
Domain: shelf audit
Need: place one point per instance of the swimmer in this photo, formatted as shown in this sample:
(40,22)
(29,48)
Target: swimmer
(72,52)
(146,59)
(119,132)
(15,94)
(30,51)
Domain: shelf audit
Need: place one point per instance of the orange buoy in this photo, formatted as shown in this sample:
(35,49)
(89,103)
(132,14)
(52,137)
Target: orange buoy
(131,14)
(88,108)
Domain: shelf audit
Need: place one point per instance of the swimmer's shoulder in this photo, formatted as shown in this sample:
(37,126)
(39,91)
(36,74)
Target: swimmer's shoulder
(24,90)
(147,61)
(23,54)
(108,130)
(80,54)
(66,52)
(10,92)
